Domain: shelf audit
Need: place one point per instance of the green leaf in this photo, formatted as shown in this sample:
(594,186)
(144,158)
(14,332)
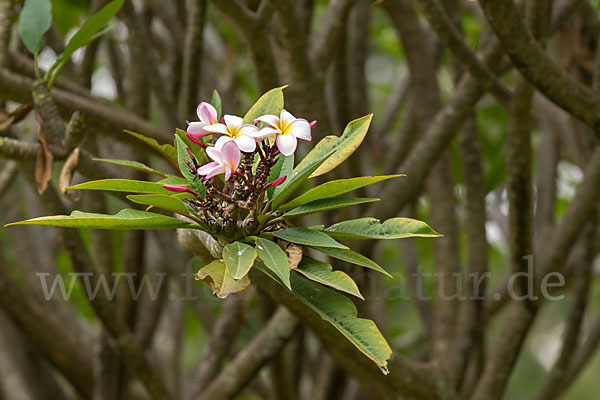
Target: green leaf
(371,228)
(166,150)
(193,181)
(239,258)
(340,311)
(217,276)
(216,103)
(274,259)
(269,103)
(124,219)
(163,201)
(326,146)
(352,257)
(85,34)
(295,179)
(174,180)
(132,164)
(307,237)
(283,166)
(326,205)
(342,146)
(35,19)
(123,185)
(335,188)
(323,273)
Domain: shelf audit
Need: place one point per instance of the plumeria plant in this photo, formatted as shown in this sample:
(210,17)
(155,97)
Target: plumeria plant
(242,190)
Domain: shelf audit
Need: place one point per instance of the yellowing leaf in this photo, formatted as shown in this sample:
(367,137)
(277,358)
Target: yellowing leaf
(342,146)
(217,276)
(269,103)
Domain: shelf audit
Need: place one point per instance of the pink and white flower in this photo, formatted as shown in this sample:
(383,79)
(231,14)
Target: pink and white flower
(226,159)
(234,129)
(288,130)
(208,116)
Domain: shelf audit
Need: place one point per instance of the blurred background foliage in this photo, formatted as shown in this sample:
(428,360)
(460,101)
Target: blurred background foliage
(227,67)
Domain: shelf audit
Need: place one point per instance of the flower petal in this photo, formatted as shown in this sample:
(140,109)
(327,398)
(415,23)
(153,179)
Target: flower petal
(247,129)
(227,171)
(207,113)
(246,143)
(214,153)
(197,129)
(219,169)
(233,121)
(265,132)
(206,168)
(217,128)
(300,128)
(286,144)
(221,141)
(272,120)
(286,118)
(230,153)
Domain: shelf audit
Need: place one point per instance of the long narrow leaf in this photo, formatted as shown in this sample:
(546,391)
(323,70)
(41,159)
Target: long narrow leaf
(326,205)
(86,33)
(166,150)
(352,257)
(308,237)
(335,188)
(133,164)
(123,185)
(124,219)
(371,228)
(164,201)
(323,273)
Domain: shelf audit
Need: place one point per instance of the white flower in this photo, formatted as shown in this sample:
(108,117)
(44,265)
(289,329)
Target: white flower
(288,130)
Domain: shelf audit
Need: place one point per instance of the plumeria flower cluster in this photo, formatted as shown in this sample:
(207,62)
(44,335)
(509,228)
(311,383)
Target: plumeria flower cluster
(244,154)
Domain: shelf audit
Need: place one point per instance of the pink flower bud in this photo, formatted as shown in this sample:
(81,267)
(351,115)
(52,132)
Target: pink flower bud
(175,188)
(312,124)
(196,140)
(276,182)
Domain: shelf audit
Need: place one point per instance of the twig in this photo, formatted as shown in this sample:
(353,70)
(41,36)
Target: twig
(454,41)
(330,34)
(104,117)
(22,369)
(222,337)
(192,53)
(557,380)
(7,176)
(139,36)
(469,335)
(266,344)
(532,61)
(34,322)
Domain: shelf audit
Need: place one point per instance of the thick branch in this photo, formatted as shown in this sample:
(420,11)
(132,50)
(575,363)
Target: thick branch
(102,116)
(531,60)
(265,345)
(453,40)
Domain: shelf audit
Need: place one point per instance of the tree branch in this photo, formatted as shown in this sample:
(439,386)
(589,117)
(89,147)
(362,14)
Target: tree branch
(531,60)
(264,346)
(453,40)
(100,115)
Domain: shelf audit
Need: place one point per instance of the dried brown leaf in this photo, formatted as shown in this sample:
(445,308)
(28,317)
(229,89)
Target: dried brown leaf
(66,175)
(43,162)
(294,253)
